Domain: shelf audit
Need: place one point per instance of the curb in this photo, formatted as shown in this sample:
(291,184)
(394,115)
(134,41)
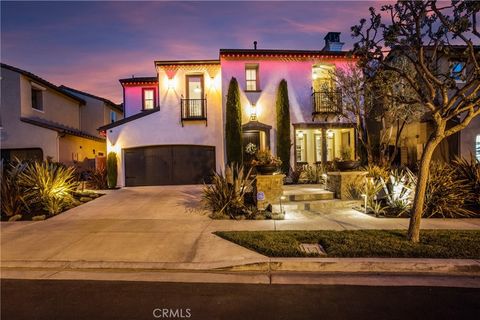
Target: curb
(463,267)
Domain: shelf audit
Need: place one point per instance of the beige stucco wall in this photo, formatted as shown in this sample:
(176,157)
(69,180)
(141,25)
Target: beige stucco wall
(74,148)
(468,138)
(16,134)
(94,114)
(56,107)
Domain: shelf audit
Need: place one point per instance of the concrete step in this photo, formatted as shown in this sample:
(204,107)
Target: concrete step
(323,195)
(306,192)
(313,205)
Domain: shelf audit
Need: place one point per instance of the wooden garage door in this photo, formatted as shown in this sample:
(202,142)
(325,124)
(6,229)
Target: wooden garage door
(168,165)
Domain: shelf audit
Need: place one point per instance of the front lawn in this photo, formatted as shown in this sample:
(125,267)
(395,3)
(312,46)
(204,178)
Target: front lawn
(450,244)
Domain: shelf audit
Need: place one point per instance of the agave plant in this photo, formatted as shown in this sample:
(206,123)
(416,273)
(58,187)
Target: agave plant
(446,193)
(470,170)
(225,195)
(48,184)
(399,189)
(13,201)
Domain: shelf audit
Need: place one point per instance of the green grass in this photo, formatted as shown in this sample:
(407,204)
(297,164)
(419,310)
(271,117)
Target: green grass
(460,244)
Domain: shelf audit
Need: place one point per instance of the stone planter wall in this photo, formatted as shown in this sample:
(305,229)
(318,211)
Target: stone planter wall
(269,189)
(338,182)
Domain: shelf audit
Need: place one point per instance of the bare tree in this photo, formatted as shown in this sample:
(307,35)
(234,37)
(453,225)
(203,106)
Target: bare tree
(428,35)
(354,88)
(362,92)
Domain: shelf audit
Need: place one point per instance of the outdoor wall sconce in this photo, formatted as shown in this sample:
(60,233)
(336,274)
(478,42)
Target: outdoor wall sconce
(171,83)
(253,112)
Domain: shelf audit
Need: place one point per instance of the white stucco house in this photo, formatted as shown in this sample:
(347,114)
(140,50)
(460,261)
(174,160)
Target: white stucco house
(173,130)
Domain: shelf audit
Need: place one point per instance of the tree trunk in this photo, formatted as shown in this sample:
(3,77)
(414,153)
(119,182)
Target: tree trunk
(420,190)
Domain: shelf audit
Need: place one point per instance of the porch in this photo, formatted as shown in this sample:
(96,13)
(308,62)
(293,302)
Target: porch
(323,143)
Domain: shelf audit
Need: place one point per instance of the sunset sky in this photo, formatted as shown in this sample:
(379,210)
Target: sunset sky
(90,45)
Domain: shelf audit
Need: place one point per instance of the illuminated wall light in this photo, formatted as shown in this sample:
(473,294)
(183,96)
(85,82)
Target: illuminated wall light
(171,83)
(253,112)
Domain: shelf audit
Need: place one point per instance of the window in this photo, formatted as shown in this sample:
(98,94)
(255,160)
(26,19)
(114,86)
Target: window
(148,99)
(301,147)
(318,147)
(477,147)
(113,116)
(251,77)
(457,70)
(37,99)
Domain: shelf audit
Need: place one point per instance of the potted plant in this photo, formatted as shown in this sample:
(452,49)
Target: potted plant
(346,163)
(265,162)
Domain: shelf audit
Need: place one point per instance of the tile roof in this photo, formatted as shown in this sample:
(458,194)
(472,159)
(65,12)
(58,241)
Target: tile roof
(128,119)
(60,128)
(282,52)
(42,81)
(138,80)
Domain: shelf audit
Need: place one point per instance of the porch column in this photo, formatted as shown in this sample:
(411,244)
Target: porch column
(324,146)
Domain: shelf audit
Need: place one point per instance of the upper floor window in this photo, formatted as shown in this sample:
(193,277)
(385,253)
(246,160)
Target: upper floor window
(458,70)
(251,77)
(113,116)
(37,99)
(148,98)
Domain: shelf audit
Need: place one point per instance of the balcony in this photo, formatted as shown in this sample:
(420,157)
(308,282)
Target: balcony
(327,102)
(193,110)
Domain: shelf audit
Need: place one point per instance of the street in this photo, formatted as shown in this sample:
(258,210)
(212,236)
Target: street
(68,299)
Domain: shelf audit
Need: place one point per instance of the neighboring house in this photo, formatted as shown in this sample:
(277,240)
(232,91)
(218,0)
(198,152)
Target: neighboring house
(41,121)
(415,135)
(173,132)
(96,112)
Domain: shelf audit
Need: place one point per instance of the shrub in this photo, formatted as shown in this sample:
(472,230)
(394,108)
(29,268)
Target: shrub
(296,173)
(226,193)
(354,190)
(48,184)
(112,170)
(233,124)
(13,201)
(469,170)
(266,158)
(313,174)
(447,193)
(399,190)
(284,142)
(98,178)
(377,172)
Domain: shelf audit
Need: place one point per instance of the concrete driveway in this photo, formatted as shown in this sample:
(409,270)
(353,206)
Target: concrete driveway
(142,224)
(164,227)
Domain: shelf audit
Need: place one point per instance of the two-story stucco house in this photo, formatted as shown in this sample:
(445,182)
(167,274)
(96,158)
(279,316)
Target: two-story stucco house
(451,64)
(40,120)
(173,132)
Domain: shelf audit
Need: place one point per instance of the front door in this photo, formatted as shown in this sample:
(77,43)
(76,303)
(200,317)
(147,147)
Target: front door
(250,137)
(194,96)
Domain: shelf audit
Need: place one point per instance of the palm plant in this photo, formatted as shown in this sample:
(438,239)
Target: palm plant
(225,195)
(48,185)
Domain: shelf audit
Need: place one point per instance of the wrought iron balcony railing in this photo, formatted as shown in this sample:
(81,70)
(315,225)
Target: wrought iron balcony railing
(193,109)
(327,102)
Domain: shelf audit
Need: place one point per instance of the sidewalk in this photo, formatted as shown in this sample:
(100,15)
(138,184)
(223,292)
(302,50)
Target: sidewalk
(159,233)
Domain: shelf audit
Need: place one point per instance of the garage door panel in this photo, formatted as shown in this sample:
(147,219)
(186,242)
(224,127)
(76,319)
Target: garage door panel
(158,166)
(133,167)
(168,165)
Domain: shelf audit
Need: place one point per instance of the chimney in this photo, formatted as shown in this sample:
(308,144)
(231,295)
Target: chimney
(255,45)
(332,42)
